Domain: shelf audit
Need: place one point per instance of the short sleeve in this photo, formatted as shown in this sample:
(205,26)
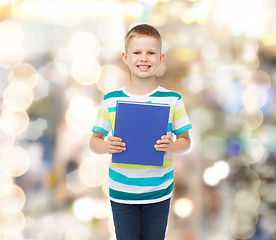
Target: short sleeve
(103,122)
(180,121)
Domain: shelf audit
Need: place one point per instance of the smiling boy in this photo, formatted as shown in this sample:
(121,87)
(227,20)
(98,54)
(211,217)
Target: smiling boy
(140,195)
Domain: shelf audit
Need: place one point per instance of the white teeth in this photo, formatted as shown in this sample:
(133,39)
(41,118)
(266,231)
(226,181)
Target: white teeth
(143,67)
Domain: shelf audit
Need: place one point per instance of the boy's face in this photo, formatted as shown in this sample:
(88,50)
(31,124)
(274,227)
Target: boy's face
(143,56)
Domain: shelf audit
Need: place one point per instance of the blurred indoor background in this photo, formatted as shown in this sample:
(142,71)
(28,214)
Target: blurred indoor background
(57,60)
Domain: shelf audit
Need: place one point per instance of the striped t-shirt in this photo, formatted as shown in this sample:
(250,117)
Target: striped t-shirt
(139,184)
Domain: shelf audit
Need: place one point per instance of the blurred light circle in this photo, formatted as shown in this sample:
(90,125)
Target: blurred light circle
(11,56)
(92,172)
(80,107)
(15,161)
(233,148)
(6,183)
(243,224)
(261,79)
(198,114)
(248,180)
(84,44)
(186,55)
(6,141)
(254,97)
(14,198)
(25,9)
(269,39)
(246,199)
(112,78)
(14,123)
(183,207)
(18,96)
(77,124)
(256,150)
(84,209)
(86,71)
(210,177)
(80,114)
(12,222)
(254,118)
(222,169)
(24,72)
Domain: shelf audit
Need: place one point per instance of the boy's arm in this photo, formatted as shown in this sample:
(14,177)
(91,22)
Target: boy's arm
(98,145)
(182,143)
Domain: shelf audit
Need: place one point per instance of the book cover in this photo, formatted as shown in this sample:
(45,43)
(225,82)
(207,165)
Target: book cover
(140,125)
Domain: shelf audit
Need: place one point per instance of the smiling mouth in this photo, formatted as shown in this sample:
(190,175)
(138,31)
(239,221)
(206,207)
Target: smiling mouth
(144,67)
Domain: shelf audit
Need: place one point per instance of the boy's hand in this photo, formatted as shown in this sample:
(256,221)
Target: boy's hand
(115,145)
(165,144)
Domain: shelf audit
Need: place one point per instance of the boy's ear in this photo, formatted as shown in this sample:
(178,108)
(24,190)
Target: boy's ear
(124,57)
(161,59)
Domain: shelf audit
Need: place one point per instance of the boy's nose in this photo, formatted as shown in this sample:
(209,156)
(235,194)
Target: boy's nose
(144,57)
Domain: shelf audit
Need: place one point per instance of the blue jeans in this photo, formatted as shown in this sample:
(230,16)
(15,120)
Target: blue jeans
(140,221)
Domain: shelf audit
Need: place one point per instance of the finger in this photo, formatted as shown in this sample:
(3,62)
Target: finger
(166,141)
(117,150)
(168,136)
(162,147)
(116,139)
(114,151)
(114,143)
(161,150)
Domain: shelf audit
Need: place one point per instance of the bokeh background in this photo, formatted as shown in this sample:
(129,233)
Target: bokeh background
(57,60)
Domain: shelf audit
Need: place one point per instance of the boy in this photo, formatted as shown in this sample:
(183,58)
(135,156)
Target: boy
(140,206)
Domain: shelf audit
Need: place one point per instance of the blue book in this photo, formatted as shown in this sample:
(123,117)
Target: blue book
(140,125)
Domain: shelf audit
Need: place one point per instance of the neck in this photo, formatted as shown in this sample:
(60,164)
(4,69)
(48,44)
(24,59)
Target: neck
(142,86)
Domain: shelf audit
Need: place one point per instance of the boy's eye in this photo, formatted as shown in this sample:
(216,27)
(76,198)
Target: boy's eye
(136,52)
(151,53)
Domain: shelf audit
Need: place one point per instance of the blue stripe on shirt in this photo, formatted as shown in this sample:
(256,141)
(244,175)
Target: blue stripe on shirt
(183,129)
(99,129)
(147,181)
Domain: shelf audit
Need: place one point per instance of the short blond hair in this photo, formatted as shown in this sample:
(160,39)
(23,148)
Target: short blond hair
(143,30)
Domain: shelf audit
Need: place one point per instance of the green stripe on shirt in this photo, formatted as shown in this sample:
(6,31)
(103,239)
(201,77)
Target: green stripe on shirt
(165,94)
(182,130)
(99,129)
(114,94)
(112,109)
(148,181)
